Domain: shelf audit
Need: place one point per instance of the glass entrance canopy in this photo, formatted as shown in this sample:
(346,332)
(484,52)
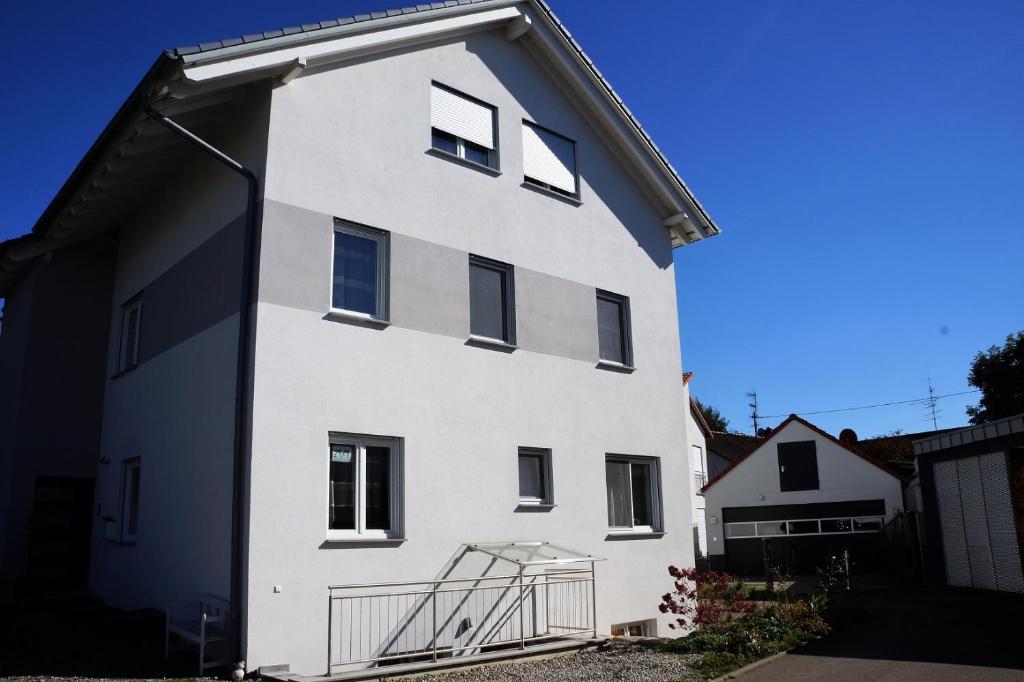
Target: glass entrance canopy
(532,553)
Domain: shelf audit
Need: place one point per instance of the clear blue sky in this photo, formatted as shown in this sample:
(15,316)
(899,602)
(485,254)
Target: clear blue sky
(864,159)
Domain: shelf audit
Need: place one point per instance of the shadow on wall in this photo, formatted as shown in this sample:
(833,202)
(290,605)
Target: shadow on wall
(545,99)
(76,635)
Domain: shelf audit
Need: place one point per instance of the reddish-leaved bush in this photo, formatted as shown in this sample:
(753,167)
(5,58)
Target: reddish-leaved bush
(704,599)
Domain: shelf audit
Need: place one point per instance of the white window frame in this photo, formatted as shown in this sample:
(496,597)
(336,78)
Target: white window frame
(548,499)
(125,343)
(395,495)
(127,466)
(381,298)
(654,471)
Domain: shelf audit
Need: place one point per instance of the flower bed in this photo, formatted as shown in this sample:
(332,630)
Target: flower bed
(731,630)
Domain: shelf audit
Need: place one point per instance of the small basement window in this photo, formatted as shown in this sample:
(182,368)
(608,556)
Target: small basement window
(463,126)
(641,628)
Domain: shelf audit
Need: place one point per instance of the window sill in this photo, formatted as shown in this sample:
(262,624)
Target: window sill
(356,318)
(527,506)
(488,342)
(630,534)
(615,366)
(455,158)
(572,201)
(362,540)
(120,373)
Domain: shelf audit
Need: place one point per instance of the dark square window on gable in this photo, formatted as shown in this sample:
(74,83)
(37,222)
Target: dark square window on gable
(798,466)
(491,300)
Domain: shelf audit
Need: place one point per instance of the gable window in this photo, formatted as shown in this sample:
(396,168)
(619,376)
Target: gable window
(131,475)
(492,306)
(131,329)
(463,126)
(613,329)
(359,279)
(364,490)
(798,466)
(633,497)
(535,476)
(549,160)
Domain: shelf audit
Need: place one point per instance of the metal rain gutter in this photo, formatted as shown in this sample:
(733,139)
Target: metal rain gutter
(242,407)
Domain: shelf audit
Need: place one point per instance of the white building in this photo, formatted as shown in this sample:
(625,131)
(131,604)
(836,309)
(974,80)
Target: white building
(800,495)
(697,433)
(446,316)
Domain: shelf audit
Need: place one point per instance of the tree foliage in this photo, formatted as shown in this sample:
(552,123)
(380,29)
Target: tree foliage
(999,374)
(714,418)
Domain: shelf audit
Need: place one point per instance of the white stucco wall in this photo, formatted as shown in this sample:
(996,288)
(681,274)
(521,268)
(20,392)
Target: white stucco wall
(842,476)
(351,142)
(694,438)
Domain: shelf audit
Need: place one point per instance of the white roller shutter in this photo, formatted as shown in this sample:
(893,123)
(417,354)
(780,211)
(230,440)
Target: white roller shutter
(461,116)
(549,158)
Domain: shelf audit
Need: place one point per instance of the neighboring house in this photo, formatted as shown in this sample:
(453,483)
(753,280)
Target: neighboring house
(697,434)
(800,495)
(972,489)
(442,319)
(725,447)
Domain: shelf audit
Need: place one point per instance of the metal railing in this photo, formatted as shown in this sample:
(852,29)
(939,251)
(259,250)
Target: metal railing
(423,621)
(699,480)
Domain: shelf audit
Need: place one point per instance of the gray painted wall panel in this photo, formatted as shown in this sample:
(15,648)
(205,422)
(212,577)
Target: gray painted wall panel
(194,294)
(556,316)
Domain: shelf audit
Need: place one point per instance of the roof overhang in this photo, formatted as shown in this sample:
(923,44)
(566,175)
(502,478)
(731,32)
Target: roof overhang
(133,153)
(533,23)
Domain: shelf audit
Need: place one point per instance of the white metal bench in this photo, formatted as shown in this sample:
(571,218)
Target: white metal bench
(206,623)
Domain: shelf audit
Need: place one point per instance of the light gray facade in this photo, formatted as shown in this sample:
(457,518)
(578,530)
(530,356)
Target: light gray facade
(349,141)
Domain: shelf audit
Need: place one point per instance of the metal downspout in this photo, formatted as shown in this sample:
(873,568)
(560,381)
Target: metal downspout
(242,372)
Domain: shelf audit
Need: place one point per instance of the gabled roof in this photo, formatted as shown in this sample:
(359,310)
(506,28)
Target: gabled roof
(789,420)
(732,446)
(186,76)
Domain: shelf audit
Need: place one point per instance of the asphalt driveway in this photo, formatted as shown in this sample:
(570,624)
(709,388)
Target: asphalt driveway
(914,634)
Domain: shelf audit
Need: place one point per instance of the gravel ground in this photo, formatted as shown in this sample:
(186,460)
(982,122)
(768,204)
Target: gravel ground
(615,659)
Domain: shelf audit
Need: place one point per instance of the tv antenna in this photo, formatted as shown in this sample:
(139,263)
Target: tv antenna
(754,416)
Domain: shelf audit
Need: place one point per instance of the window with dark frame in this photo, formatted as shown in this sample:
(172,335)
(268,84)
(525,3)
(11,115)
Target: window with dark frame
(131,478)
(359,277)
(492,300)
(364,487)
(463,126)
(798,466)
(535,476)
(633,496)
(549,160)
(131,331)
(613,329)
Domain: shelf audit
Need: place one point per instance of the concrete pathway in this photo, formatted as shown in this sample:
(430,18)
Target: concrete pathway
(906,635)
